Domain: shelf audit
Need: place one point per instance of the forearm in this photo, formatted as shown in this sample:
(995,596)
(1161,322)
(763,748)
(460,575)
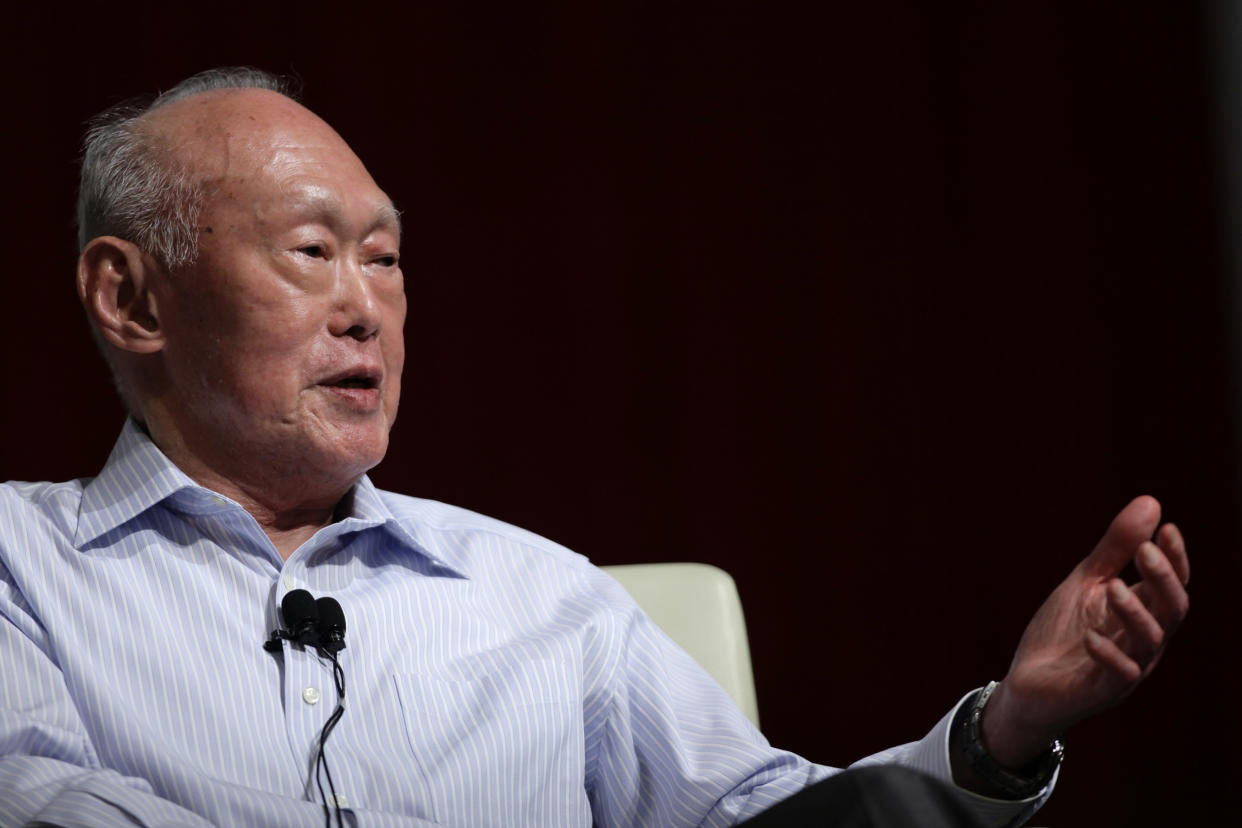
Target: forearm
(40,790)
(49,770)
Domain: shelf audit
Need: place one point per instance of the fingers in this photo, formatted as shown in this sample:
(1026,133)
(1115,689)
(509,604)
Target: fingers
(1106,652)
(1164,590)
(1173,545)
(1144,634)
(1133,525)
(1148,613)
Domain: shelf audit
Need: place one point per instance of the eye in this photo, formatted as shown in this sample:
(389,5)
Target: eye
(315,251)
(387,261)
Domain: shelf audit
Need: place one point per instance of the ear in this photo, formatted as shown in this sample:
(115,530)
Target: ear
(114,283)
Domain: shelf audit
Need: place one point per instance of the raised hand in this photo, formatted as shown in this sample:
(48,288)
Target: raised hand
(1094,639)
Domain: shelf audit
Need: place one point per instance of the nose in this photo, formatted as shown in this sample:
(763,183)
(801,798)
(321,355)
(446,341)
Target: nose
(356,313)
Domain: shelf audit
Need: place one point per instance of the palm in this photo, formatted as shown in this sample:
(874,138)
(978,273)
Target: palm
(1094,639)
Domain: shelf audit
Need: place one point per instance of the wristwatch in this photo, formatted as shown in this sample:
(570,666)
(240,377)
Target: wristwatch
(1015,783)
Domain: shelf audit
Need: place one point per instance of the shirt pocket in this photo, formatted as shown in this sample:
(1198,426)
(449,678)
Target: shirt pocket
(502,746)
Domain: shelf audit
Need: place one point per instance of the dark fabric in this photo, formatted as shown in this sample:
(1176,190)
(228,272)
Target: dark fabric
(874,797)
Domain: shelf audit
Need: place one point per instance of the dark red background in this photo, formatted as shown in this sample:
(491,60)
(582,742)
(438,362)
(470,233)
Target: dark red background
(886,308)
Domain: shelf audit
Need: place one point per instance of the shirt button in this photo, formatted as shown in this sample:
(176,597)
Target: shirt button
(219,501)
(311,695)
(289,582)
(340,801)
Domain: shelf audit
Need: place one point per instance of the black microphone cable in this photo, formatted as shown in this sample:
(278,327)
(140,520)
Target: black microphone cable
(321,625)
(331,632)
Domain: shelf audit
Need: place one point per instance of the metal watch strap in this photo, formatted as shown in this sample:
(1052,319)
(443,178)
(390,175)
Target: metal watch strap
(1021,783)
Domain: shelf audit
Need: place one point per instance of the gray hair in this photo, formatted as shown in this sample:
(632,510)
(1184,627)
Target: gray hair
(132,187)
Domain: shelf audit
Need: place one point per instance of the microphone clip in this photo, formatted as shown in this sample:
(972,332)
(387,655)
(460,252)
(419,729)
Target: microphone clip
(312,623)
(275,642)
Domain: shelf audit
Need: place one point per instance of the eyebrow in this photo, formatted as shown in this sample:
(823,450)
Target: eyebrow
(386,215)
(316,203)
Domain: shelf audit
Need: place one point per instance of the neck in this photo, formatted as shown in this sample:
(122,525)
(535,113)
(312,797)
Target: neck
(289,504)
(287,523)
(287,528)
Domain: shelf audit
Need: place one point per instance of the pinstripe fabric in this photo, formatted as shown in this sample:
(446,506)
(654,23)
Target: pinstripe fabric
(492,677)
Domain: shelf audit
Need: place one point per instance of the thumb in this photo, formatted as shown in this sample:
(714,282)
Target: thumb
(1134,524)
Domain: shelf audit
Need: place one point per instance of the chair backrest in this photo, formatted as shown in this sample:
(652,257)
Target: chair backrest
(698,606)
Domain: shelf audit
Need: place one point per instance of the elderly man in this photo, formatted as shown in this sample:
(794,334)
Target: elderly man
(241,270)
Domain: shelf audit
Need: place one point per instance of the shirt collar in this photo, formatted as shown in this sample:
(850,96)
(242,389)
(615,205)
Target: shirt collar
(138,476)
(368,509)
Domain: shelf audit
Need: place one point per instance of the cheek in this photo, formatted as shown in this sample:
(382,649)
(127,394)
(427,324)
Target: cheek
(236,333)
(270,364)
(264,385)
(393,335)
(394,353)
(392,346)
(394,362)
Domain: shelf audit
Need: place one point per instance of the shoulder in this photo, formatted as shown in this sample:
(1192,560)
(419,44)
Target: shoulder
(51,504)
(37,523)
(519,579)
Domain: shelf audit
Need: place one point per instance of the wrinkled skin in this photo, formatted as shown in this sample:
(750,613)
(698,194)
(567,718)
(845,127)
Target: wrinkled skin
(1095,638)
(270,369)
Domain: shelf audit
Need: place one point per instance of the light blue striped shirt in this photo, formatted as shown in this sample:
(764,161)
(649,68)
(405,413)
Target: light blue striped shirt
(492,676)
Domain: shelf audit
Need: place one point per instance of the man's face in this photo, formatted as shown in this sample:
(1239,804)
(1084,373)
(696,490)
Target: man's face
(284,342)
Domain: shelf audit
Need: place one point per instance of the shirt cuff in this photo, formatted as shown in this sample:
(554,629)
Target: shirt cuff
(995,811)
(930,755)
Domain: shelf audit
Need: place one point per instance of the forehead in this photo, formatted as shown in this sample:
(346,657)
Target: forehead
(256,147)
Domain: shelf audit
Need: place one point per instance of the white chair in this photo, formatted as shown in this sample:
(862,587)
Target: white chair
(698,606)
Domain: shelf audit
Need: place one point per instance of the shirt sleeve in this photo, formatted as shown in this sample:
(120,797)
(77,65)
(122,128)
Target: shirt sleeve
(674,750)
(930,755)
(49,772)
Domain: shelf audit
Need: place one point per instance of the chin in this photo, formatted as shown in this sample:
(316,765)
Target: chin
(343,451)
(360,453)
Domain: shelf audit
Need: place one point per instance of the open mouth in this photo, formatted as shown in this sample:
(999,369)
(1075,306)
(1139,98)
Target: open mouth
(360,387)
(354,382)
